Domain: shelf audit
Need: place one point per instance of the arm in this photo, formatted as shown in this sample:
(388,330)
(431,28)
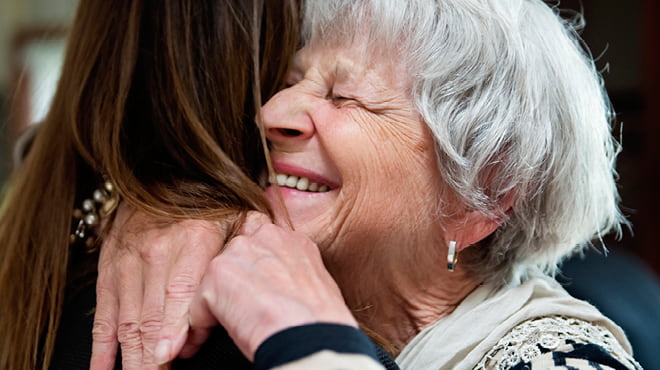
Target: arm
(271,292)
(317,346)
(142,256)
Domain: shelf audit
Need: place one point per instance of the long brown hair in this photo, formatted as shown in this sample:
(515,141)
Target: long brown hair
(159,96)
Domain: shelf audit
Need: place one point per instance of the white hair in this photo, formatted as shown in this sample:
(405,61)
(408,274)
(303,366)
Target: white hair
(516,107)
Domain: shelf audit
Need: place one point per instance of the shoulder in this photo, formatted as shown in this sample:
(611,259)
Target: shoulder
(557,342)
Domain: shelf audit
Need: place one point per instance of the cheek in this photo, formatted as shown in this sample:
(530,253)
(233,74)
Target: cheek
(390,175)
(391,150)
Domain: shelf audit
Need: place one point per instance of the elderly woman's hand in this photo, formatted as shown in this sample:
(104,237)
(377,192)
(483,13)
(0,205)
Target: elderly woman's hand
(268,279)
(149,271)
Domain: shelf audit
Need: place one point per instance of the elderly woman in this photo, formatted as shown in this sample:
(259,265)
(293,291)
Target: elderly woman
(412,133)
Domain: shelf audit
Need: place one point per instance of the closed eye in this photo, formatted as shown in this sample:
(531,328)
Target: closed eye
(339,100)
(342,101)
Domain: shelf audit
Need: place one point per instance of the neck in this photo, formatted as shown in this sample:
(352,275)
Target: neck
(397,300)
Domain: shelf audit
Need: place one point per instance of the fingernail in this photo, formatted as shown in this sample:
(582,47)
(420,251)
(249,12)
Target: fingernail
(162,353)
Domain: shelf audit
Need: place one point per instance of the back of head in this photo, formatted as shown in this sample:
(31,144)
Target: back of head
(516,108)
(158,96)
(168,114)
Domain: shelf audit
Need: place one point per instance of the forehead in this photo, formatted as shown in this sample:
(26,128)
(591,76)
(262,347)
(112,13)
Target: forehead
(355,60)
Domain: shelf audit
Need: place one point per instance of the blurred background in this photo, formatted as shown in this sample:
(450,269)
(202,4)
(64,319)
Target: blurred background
(32,43)
(623,36)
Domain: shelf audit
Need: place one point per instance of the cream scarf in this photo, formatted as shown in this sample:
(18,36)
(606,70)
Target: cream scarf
(461,339)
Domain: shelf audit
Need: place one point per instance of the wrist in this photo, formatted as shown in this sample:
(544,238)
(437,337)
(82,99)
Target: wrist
(297,342)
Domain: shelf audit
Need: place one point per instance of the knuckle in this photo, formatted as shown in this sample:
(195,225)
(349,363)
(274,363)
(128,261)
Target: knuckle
(219,266)
(128,333)
(239,240)
(258,218)
(199,226)
(105,288)
(151,319)
(215,264)
(153,251)
(303,239)
(181,287)
(270,228)
(150,326)
(103,331)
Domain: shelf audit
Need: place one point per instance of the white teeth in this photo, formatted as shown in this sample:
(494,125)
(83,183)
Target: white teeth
(300,183)
(291,181)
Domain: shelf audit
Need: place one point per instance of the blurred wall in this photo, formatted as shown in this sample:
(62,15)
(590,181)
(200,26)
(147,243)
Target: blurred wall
(20,15)
(20,21)
(615,33)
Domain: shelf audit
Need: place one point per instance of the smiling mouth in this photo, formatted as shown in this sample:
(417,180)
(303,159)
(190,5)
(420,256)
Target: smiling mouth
(299,183)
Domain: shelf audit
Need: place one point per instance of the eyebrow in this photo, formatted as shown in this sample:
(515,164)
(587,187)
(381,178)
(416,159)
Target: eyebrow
(344,70)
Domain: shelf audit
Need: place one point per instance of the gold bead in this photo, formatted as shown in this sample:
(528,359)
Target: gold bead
(77,213)
(91,219)
(99,196)
(88,205)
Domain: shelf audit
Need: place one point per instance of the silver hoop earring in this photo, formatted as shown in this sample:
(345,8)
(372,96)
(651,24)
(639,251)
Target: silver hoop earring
(452,256)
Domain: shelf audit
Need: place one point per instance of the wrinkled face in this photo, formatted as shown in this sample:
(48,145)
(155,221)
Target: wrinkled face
(354,160)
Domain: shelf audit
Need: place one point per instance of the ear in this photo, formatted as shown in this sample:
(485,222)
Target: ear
(474,226)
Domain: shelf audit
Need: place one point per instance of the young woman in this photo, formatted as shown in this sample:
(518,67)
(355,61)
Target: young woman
(156,97)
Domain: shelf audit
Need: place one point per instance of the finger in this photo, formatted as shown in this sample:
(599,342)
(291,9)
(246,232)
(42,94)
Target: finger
(178,297)
(191,337)
(130,296)
(202,240)
(194,342)
(151,313)
(169,347)
(104,331)
(253,222)
(200,318)
(201,322)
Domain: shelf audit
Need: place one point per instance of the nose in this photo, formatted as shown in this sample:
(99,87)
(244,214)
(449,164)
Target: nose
(286,118)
